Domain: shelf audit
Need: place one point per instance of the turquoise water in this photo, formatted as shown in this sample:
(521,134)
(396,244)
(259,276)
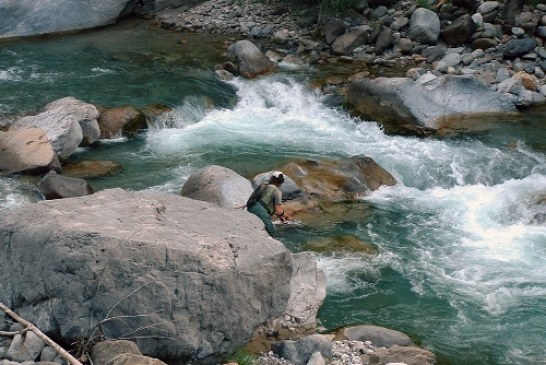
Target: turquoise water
(462,263)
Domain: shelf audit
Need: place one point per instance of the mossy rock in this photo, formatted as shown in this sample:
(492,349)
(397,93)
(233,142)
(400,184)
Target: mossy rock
(325,215)
(91,169)
(341,243)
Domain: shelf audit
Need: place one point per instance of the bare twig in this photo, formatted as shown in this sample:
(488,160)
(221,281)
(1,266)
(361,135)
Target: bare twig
(62,352)
(107,317)
(9,334)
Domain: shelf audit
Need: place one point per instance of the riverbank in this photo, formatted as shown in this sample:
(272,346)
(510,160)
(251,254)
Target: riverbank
(399,40)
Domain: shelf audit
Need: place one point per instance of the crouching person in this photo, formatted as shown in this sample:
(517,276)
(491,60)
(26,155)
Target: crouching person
(266,201)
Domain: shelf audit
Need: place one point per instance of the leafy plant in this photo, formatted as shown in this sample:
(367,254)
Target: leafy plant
(243,357)
(427,4)
(338,5)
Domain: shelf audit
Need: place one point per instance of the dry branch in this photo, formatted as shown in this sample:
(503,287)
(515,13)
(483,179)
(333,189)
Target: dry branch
(62,352)
(9,334)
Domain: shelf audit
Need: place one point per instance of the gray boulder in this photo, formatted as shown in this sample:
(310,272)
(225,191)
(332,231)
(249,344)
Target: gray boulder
(134,359)
(449,60)
(105,351)
(487,7)
(384,41)
(90,132)
(379,336)
(316,359)
(217,184)
(188,279)
(518,47)
(54,186)
(307,293)
(25,347)
(250,60)
(121,121)
(459,31)
(346,43)
(27,151)
(31,17)
(447,102)
(424,26)
(333,30)
(61,121)
(403,355)
(49,354)
(300,352)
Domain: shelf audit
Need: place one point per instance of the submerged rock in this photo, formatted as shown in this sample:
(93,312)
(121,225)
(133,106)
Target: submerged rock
(338,180)
(91,169)
(341,243)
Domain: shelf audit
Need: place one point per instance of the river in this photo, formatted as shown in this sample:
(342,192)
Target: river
(461,263)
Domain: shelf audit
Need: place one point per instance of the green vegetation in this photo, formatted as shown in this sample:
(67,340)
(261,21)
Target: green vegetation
(338,5)
(243,357)
(427,4)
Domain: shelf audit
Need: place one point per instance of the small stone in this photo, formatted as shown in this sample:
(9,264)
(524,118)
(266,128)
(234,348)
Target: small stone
(478,19)
(477,53)
(541,31)
(488,7)
(502,75)
(531,56)
(518,32)
(467,60)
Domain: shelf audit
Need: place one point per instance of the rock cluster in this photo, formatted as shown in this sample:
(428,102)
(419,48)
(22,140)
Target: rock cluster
(41,144)
(501,46)
(310,350)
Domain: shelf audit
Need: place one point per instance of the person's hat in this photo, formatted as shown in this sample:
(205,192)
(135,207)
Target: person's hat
(277,177)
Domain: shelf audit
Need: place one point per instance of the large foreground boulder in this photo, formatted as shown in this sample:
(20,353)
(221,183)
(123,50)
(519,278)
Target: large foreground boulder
(189,280)
(446,102)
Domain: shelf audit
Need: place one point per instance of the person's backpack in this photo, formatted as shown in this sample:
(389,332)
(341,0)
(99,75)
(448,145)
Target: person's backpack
(256,196)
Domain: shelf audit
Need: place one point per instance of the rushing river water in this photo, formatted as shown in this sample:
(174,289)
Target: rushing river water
(462,255)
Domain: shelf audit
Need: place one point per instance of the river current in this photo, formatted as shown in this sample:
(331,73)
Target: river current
(461,263)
